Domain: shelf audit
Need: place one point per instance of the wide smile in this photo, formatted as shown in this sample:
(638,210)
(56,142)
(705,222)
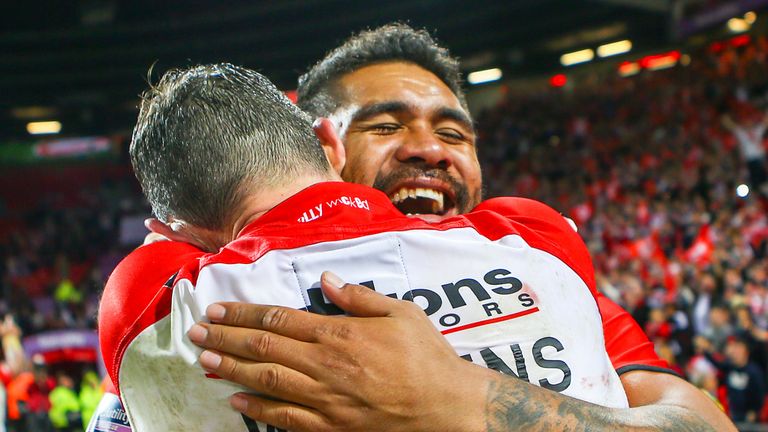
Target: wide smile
(423,197)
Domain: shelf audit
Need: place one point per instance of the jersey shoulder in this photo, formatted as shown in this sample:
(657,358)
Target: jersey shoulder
(542,227)
(626,343)
(136,296)
(539,215)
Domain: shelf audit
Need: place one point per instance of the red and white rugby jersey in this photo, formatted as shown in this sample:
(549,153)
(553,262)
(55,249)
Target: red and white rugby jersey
(510,285)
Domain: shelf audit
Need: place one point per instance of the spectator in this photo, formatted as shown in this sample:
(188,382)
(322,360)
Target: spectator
(744,381)
(13,362)
(720,328)
(749,131)
(65,408)
(90,395)
(37,403)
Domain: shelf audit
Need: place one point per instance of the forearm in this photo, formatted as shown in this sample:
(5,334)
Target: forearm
(516,405)
(13,352)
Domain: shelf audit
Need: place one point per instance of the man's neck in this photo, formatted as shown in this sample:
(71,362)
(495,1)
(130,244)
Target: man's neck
(256,205)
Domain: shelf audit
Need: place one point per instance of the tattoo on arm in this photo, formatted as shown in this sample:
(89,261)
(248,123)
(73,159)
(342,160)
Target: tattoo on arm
(512,406)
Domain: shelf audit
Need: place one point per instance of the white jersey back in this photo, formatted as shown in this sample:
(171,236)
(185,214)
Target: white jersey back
(501,304)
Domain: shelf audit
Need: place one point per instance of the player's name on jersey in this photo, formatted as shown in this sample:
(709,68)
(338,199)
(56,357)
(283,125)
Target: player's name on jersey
(527,363)
(316,212)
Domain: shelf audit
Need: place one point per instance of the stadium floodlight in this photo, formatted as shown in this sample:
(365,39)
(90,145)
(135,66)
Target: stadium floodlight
(576,57)
(484,76)
(750,17)
(742,190)
(627,69)
(738,25)
(614,48)
(44,127)
(660,61)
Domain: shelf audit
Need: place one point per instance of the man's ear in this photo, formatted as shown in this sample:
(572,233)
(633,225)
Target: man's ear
(332,145)
(178,235)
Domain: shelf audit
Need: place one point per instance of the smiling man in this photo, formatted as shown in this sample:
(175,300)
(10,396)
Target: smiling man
(396,100)
(417,150)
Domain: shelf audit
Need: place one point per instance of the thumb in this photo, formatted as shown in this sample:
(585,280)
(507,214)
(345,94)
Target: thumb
(356,300)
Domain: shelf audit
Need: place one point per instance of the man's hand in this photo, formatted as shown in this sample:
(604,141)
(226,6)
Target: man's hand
(9,328)
(391,370)
(387,368)
(13,351)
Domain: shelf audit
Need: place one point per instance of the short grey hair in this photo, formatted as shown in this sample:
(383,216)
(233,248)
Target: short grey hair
(210,134)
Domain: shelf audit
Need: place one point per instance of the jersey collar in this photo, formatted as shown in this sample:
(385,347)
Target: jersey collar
(329,202)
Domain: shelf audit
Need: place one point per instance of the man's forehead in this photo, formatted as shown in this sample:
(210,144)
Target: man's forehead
(396,81)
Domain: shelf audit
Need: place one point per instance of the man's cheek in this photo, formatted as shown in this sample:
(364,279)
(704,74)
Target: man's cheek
(355,171)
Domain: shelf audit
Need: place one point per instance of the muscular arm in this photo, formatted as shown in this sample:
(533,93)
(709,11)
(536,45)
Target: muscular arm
(677,406)
(370,377)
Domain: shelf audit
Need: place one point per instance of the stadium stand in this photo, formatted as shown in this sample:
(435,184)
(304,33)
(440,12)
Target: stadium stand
(648,171)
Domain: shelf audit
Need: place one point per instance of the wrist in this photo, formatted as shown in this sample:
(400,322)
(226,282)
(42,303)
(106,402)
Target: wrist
(463,404)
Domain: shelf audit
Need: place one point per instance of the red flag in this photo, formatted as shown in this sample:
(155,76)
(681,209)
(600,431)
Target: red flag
(700,252)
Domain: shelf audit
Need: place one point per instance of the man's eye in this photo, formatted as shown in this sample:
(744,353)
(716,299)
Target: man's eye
(385,128)
(451,134)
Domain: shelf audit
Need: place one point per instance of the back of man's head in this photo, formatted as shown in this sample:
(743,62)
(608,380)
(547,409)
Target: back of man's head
(208,135)
(318,92)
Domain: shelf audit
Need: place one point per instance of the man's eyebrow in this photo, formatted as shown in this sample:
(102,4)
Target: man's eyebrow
(374,109)
(395,107)
(455,115)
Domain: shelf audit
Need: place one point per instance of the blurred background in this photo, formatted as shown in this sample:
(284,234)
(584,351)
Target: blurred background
(642,120)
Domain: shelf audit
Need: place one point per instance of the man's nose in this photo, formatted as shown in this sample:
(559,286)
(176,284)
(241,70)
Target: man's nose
(422,146)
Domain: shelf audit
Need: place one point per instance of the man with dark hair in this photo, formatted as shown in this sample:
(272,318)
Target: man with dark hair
(743,379)
(394,97)
(384,136)
(278,230)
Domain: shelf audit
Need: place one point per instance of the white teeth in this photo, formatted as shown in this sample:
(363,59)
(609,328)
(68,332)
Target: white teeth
(436,196)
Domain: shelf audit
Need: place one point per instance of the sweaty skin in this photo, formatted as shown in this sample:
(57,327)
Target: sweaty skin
(404,128)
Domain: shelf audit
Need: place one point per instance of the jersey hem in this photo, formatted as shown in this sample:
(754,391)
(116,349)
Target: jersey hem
(630,368)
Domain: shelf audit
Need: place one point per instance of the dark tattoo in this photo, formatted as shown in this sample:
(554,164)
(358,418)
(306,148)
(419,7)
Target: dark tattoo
(514,405)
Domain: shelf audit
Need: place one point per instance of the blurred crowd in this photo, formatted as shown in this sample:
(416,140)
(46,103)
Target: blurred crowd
(664,174)
(53,266)
(37,397)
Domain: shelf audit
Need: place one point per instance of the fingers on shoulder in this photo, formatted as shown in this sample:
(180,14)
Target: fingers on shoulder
(280,414)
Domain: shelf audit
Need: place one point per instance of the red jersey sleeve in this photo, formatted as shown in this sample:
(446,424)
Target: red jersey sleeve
(544,228)
(136,296)
(625,342)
